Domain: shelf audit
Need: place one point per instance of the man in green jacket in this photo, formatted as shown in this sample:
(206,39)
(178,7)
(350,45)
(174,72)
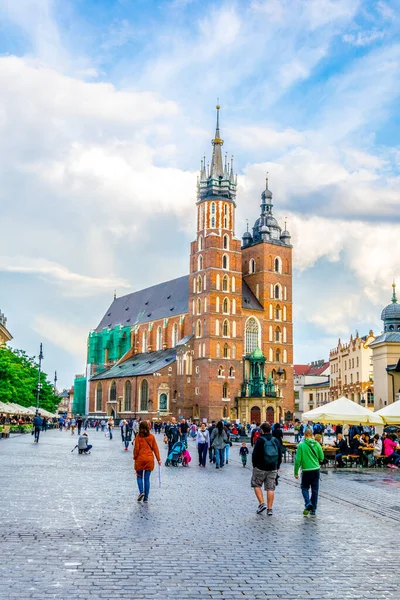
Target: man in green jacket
(309,455)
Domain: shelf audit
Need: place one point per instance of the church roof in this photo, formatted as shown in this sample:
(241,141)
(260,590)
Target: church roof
(248,298)
(391,337)
(167,299)
(140,364)
(161,301)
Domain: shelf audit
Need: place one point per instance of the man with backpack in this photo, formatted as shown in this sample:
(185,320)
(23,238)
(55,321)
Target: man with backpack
(267,458)
(309,456)
(255,434)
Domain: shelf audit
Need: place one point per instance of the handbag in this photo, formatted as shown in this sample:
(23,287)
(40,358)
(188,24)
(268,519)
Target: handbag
(165,439)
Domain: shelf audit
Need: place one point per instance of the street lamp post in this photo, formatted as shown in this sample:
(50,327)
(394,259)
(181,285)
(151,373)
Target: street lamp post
(39,386)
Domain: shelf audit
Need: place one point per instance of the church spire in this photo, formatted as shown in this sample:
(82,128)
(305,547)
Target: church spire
(394,297)
(217,142)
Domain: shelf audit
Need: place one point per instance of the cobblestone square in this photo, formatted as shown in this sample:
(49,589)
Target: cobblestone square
(71,527)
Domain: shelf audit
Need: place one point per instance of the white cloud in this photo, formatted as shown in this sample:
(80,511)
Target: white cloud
(72,284)
(67,336)
(363,38)
(264,138)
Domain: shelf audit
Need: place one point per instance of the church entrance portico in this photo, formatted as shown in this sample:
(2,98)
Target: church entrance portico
(255,414)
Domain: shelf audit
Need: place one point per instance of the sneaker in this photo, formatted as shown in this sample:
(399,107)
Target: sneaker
(395,467)
(312,513)
(140,497)
(390,466)
(145,501)
(307,509)
(217,467)
(269,512)
(261,509)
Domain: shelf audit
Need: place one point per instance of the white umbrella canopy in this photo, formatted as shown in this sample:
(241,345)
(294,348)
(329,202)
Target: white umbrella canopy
(17,409)
(43,412)
(342,411)
(390,413)
(5,409)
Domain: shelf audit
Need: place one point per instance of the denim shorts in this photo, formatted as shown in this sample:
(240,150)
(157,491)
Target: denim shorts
(268,478)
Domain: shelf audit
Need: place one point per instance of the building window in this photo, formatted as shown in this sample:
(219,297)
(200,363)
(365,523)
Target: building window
(198,306)
(226,351)
(200,263)
(196,391)
(225,284)
(251,335)
(220,371)
(175,335)
(252,266)
(217,327)
(144,341)
(278,356)
(277,313)
(163,402)
(99,397)
(225,412)
(212,222)
(159,338)
(200,243)
(225,262)
(225,306)
(277,294)
(199,284)
(226,242)
(198,328)
(218,350)
(278,334)
(225,391)
(213,208)
(128,397)
(113,392)
(234,306)
(144,396)
(231,372)
(277,266)
(225,328)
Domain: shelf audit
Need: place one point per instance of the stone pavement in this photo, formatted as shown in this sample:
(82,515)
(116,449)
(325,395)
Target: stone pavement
(71,528)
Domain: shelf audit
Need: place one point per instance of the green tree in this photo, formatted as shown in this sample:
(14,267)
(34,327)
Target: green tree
(19,378)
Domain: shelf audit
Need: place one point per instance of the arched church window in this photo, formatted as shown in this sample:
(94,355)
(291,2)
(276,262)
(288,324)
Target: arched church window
(200,243)
(278,356)
(277,313)
(225,284)
(226,351)
(200,263)
(198,306)
(220,371)
(251,335)
(99,397)
(218,350)
(277,292)
(128,397)
(144,396)
(225,328)
(144,341)
(225,412)
(159,338)
(226,242)
(225,390)
(277,265)
(198,328)
(175,335)
(231,372)
(252,266)
(199,284)
(278,334)
(225,306)
(225,262)
(113,392)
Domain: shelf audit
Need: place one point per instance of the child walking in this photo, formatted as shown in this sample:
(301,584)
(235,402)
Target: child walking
(243,452)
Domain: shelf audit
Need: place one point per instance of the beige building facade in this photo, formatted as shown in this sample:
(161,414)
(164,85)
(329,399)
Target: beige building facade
(5,335)
(386,356)
(352,370)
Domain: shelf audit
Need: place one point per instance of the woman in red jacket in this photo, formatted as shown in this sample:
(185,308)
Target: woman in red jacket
(143,454)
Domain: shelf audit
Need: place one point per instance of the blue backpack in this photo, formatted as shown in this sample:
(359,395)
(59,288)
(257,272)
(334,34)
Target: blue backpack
(271,452)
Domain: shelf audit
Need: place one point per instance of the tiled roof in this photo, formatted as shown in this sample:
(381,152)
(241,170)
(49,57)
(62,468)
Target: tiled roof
(248,298)
(161,301)
(140,364)
(320,384)
(390,336)
(310,369)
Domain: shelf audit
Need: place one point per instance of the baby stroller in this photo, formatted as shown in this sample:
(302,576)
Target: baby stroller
(175,457)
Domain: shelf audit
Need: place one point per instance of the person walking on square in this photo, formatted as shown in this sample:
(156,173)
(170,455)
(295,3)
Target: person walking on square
(110,426)
(203,442)
(73,425)
(309,456)
(266,458)
(218,442)
(144,450)
(172,433)
(243,452)
(79,423)
(127,433)
(37,424)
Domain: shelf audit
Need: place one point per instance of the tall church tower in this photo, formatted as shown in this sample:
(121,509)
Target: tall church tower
(267,270)
(215,288)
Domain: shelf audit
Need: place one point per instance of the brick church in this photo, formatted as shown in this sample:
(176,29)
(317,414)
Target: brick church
(217,343)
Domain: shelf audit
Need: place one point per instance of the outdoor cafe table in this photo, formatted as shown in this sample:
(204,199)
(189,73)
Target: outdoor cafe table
(289,447)
(365,450)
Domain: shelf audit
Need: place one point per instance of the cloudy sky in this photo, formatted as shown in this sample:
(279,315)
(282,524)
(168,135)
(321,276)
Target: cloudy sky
(106,108)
